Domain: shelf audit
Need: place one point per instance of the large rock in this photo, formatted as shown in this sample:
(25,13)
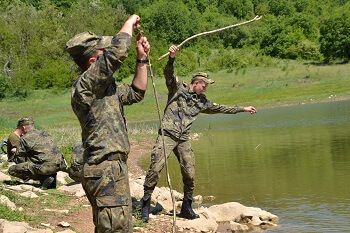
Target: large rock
(23,187)
(73,188)
(161,195)
(29,194)
(19,227)
(62,177)
(136,187)
(239,213)
(205,223)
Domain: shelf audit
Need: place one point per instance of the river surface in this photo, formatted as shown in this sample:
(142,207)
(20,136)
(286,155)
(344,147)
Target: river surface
(291,161)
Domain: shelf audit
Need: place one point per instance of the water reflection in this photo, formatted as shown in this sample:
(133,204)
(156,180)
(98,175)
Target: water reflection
(292,161)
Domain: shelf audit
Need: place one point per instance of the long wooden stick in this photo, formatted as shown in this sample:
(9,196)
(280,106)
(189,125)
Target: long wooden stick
(211,32)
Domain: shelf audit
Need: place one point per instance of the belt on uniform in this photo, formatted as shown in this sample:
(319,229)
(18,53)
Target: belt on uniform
(115,157)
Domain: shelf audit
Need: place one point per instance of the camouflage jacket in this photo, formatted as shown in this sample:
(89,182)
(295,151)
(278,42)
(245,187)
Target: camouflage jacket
(98,103)
(184,105)
(39,148)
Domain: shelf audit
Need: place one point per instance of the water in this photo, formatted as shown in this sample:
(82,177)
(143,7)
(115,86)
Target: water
(291,161)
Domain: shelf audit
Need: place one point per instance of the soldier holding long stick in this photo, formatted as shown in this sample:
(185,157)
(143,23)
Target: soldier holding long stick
(185,102)
(98,103)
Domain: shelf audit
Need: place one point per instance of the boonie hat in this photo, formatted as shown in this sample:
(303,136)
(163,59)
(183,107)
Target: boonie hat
(85,42)
(25,121)
(202,76)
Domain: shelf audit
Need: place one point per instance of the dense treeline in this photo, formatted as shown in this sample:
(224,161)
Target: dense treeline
(33,34)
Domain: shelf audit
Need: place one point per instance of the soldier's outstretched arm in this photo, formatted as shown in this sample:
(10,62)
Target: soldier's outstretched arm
(169,75)
(213,108)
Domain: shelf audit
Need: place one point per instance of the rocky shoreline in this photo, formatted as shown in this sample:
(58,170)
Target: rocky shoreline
(226,217)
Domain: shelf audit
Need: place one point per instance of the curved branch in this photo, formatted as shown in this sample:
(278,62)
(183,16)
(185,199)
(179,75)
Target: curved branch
(256,18)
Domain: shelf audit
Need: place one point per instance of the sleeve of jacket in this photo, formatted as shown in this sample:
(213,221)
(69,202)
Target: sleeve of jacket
(130,94)
(99,76)
(170,78)
(213,108)
(22,148)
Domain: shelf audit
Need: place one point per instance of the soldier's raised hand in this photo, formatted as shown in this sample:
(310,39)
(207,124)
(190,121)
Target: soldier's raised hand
(134,19)
(142,47)
(173,50)
(131,24)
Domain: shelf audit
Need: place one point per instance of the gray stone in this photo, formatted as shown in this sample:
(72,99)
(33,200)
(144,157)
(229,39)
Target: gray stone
(4,177)
(23,187)
(19,227)
(63,224)
(62,177)
(6,201)
(73,188)
(238,227)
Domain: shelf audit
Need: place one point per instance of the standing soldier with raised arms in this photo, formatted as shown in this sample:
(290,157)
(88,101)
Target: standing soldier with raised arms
(185,102)
(98,103)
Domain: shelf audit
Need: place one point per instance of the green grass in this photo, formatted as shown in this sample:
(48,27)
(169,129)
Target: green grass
(33,207)
(279,82)
(13,215)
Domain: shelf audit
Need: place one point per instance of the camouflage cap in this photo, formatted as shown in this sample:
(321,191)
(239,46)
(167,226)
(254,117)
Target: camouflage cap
(85,42)
(25,121)
(202,76)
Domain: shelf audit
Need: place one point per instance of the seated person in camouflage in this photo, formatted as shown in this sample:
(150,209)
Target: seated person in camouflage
(12,142)
(37,156)
(185,102)
(76,162)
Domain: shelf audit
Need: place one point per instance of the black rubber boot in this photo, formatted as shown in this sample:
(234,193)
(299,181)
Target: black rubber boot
(186,209)
(146,205)
(48,182)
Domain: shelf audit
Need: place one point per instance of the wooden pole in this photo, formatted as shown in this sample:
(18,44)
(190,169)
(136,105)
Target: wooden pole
(211,32)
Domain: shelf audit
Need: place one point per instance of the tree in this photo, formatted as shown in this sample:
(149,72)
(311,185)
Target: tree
(172,22)
(335,35)
(239,8)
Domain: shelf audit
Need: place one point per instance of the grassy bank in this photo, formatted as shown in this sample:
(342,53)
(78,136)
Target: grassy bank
(282,82)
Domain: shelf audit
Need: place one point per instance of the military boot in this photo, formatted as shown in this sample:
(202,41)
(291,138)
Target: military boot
(146,205)
(186,209)
(48,182)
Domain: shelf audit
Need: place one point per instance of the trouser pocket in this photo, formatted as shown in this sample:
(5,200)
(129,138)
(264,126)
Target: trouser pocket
(107,183)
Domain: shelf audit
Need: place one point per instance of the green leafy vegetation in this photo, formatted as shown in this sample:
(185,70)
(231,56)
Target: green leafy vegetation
(32,52)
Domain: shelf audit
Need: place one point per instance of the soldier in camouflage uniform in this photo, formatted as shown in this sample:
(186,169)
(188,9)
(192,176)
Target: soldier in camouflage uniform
(37,156)
(185,102)
(76,162)
(98,103)
(12,142)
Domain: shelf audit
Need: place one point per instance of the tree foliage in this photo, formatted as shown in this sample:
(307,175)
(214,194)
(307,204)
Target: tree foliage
(335,35)
(33,34)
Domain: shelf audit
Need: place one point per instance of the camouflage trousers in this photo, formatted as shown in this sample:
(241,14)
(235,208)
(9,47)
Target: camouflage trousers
(184,153)
(30,170)
(107,187)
